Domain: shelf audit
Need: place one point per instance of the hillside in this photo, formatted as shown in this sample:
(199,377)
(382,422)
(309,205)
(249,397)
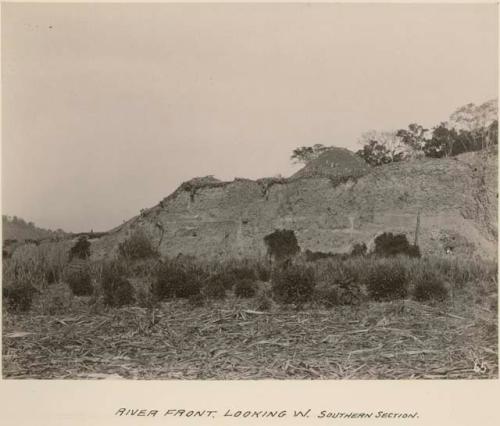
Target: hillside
(456,198)
(14,228)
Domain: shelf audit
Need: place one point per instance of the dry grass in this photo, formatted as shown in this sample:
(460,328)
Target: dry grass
(230,340)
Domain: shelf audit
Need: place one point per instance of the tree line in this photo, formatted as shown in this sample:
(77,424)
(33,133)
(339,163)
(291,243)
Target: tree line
(470,128)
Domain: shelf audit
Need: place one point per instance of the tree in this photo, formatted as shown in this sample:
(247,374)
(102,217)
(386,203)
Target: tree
(442,142)
(382,148)
(474,122)
(305,154)
(281,244)
(414,137)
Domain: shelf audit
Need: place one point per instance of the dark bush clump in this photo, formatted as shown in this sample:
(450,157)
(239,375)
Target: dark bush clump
(243,272)
(264,301)
(180,279)
(232,273)
(293,283)
(117,289)
(313,256)
(81,250)
(359,249)
(327,295)
(389,244)
(137,246)
(281,244)
(245,288)
(18,297)
(215,286)
(263,271)
(340,285)
(386,281)
(80,282)
(429,286)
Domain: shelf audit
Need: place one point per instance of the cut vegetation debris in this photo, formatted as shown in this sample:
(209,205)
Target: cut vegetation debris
(229,340)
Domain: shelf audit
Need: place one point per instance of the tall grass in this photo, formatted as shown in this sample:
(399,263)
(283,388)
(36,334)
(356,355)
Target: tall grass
(330,281)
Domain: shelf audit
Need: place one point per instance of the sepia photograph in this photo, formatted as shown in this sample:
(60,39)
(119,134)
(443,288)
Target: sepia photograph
(249,191)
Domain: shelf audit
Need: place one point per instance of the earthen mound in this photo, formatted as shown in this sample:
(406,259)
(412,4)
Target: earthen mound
(336,163)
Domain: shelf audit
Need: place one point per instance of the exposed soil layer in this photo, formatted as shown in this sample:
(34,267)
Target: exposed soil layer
(455,197)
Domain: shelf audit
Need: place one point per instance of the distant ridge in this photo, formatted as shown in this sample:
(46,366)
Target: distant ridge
(16,228)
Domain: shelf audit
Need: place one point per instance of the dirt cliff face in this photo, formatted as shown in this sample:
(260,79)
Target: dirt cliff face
(456,198)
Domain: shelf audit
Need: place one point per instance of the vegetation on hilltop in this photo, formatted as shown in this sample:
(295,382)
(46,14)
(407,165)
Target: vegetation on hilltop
(470,128)
(16,228)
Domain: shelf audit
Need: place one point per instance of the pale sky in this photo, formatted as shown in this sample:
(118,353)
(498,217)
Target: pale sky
(108,108)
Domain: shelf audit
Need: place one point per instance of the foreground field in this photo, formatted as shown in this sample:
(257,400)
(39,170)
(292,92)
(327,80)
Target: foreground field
(230,340)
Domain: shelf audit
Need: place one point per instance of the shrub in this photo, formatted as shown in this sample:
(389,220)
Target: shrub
(137,246)
(144,298)
(281,244)
(326,295)
(386,280)
(178,279)
(359,249)
(19,297)
(80,282)
(117,289)
(245,288)
(263,271)
(429,285)
(313,256)
(264,302)
(236,270)
(81,249)
(242,272)
(389,244)
(215,287)
(57,299)
(341,284)
(349,292)
(293,283)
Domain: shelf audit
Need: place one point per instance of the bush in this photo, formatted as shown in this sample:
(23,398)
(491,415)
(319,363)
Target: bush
(55,300)
(341,283)
(19,297)
(313,256)
(389,244)
(429,285)
(359,249)
(231,272)
(178,278)
(264,302)
(262,271)
(281,244)
(144,298)
(293,283)
(81,249)
(386,280)
(245,288)
(326,295)
(117,289)
(137,246)
(80,282)
(215,286)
